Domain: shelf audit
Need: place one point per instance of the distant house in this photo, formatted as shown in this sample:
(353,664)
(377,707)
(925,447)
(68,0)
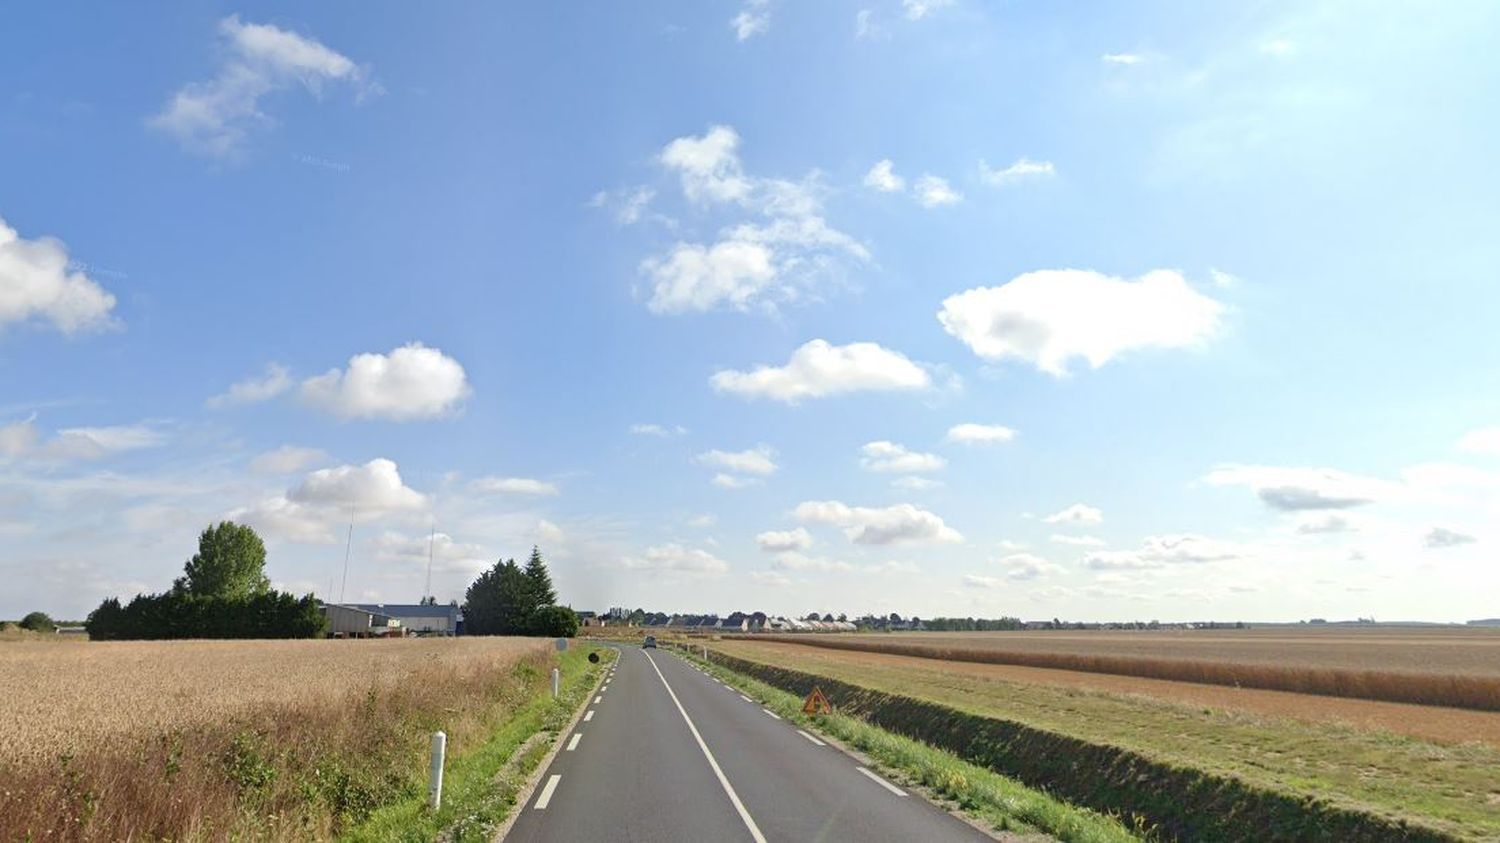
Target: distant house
(736,622)
(358,622)
(419,619)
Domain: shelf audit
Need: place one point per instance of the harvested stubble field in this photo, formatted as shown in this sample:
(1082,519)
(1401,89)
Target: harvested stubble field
(1447,667)
(145,740)
(1452,787)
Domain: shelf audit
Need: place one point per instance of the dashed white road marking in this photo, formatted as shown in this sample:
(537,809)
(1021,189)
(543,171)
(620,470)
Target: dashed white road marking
(598,700)
(573,744)
(745,698)
(811,738)
(723,780)
(772,713)
(882,782)
(547,790)
(588,715)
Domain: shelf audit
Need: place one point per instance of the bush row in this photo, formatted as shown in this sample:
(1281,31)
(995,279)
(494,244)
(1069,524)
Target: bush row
(178,614)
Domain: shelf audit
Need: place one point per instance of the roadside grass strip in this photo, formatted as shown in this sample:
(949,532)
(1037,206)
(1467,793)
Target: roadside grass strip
(1000,803)
(480,784)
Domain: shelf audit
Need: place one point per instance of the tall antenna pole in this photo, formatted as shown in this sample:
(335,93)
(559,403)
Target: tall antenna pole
(431,536)
(348,544)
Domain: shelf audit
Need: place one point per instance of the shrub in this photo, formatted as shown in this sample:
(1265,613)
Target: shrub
(555,622)
(38,622)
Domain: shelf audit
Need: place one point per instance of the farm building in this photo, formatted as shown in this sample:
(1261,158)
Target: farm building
(358,622)
(420,620)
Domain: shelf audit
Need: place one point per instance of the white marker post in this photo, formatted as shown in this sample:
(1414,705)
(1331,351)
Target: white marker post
(435,774)
(556,678)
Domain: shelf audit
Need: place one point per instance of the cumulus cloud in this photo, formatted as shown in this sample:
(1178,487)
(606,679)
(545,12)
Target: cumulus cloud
(36,284)
(780,541)
(1485,440)
(1022,170)
(675,557)
(375,486)
(412,382)
(969,433)
(882,177)
(1078,513)
(891,525)
(819,369)
(754,19)
(288,459)
(934,192)
(216,117)
(660,430)
(254,390)
(512,486)
(279,517)
(1441,537)
(1049,317)
(1294,489)
(760,460)
(891,458)
(776,256)
(794,561)
(918,9)
(1026,566)
(1157,551)
(1076,541)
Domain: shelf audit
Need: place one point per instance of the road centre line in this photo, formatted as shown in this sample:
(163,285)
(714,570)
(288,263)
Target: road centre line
(546,798)
(573,744)
(882,782)
(589,715)
(723,780)
(811,738)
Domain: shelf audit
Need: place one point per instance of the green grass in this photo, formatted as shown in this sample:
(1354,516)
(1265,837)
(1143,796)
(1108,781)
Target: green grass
(998,802)
(1452,788)
(480,786)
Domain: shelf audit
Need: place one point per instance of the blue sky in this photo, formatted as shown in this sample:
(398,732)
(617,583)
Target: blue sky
(1149,310)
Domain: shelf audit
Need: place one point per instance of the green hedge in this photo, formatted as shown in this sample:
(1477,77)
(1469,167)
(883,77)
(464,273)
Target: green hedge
(1181,803)
(177,614)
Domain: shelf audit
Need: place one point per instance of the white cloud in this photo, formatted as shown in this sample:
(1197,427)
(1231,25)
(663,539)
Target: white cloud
(760,460)
(889,457)
(1321,524)
(778,541)
(547,532)
(703,521)
(634,206)
(980,434)
(513,486)
(675,557)
(1295,489)
(754,19)
(23,440)
(709,166)
(1076,541)
(373,487)
(1157,551)
(982,581)
(1125,59)
(215,117)
(254,390)
(412,382)
(794,561)
(288,459)
(281,518)
(1440,537)
(1026,566)
(866,28)
(819,369)
(1485,440)
(882,177)
(445,553)
(899,524)
(1021,170)
(918,9)
(1076,514)
(17,439)
(731,481)
(915,484)
(35,284)
(693,277)
(1050,316)
(661,430)
(934,191)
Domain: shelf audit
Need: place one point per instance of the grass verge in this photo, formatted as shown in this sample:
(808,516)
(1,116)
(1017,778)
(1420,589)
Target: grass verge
(480,786)
(997,802)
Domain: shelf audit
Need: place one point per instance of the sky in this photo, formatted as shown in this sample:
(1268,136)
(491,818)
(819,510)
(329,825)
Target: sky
(1143,310)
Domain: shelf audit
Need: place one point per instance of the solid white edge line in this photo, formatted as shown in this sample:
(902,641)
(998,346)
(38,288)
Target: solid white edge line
(723,780)
(573,744)
(546,797)
(811,738)
(589,715)
(882,782)
(772,713)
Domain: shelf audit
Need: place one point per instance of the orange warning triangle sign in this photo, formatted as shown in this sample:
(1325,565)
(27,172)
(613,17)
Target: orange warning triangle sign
(817,703)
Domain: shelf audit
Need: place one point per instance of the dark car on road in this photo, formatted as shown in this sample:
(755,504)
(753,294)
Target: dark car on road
(649,642)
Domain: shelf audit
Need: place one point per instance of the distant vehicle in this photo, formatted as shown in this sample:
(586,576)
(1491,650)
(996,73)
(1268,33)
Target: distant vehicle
(649,642)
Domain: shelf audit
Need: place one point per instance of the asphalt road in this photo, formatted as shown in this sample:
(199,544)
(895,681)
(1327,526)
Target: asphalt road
(666,753)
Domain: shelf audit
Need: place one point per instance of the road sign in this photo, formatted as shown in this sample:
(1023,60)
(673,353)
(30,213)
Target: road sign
(562,644)
(817,703)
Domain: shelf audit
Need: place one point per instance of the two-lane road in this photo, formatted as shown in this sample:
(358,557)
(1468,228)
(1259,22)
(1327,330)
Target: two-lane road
(666,753)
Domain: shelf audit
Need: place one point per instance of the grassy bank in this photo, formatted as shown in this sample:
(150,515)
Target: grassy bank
(1458,690)
(480,784)
(1449,791)
(995,801)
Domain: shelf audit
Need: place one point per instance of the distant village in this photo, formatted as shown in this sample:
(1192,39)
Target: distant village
(814,622)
